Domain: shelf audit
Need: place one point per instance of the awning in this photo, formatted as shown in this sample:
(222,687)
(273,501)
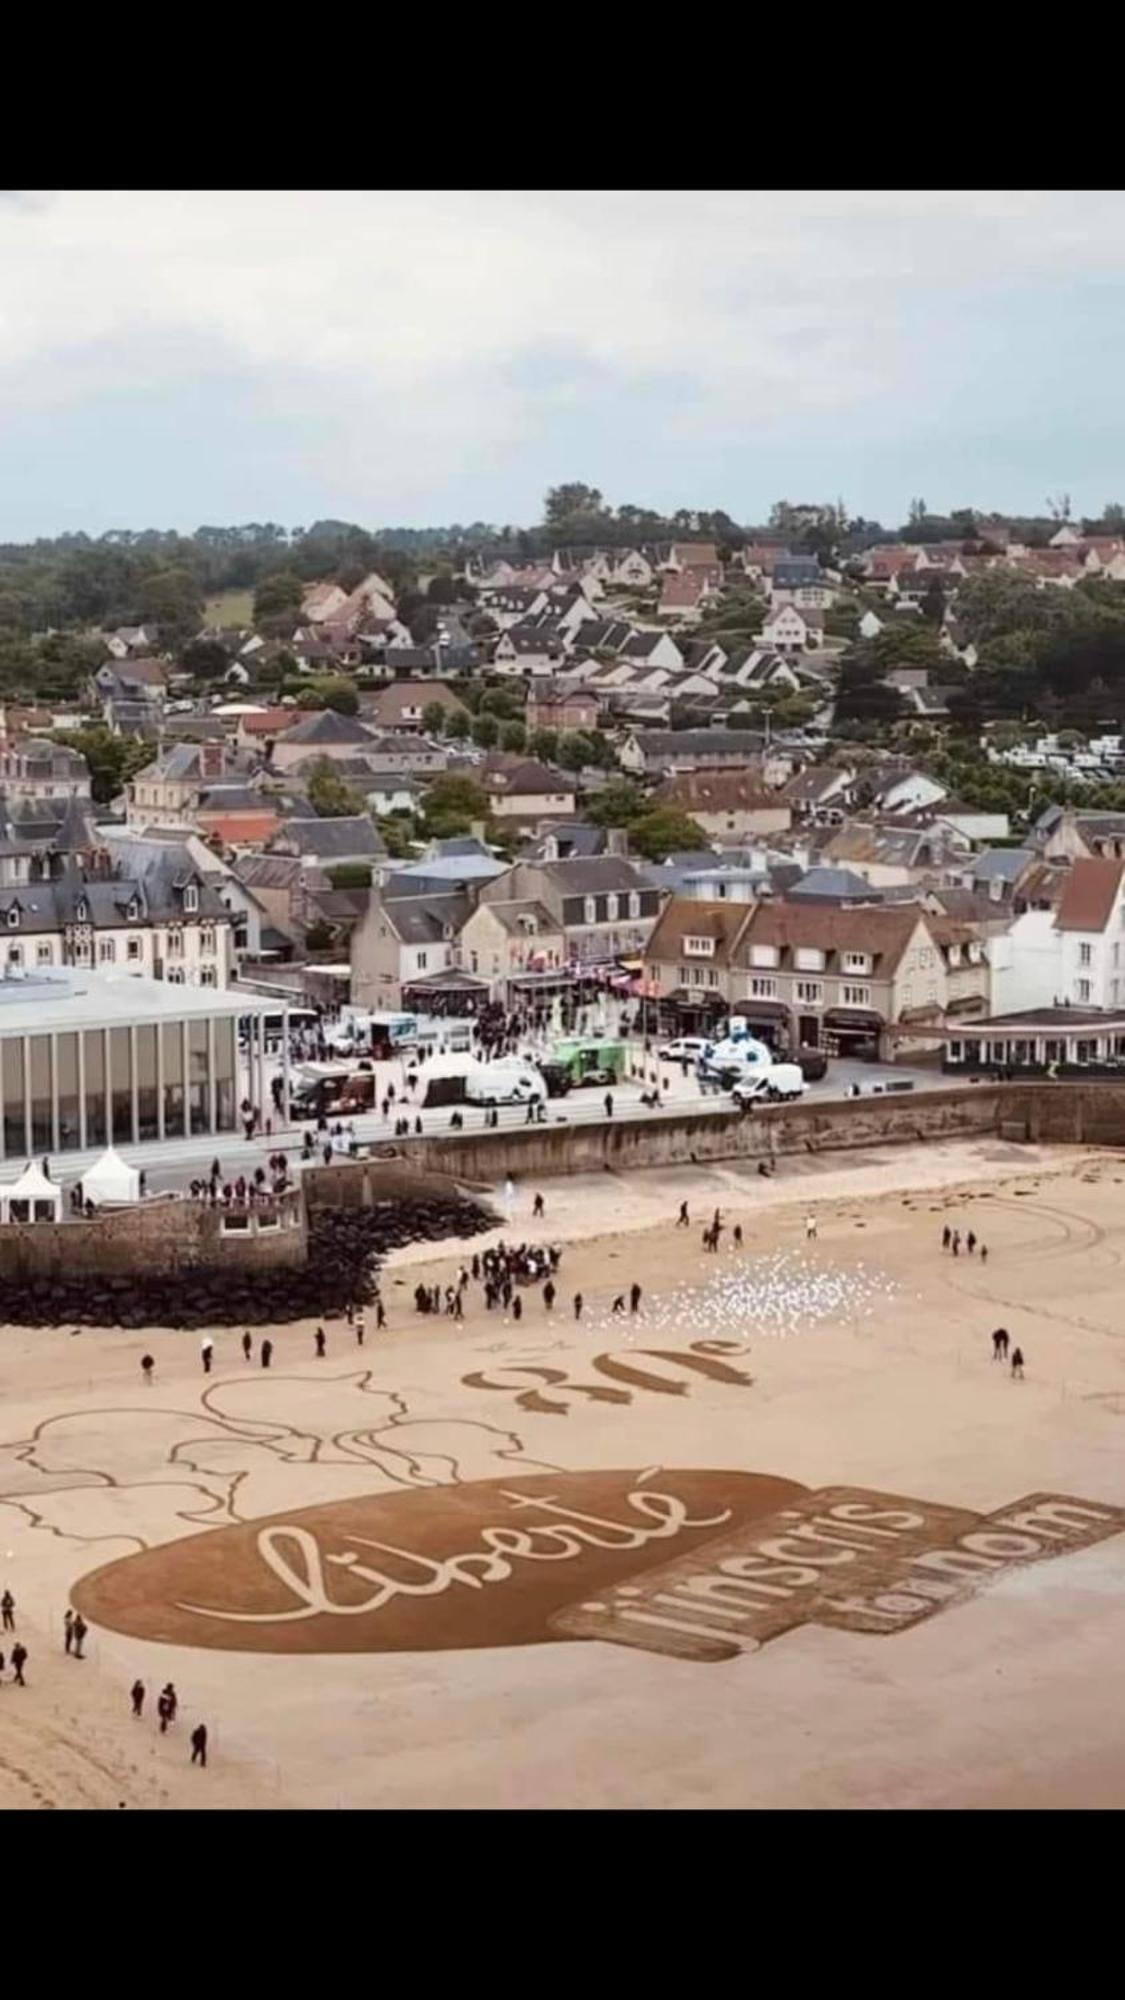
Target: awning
(761,1010)
(554,976)
(690,996)
(446,982)
(852,1017)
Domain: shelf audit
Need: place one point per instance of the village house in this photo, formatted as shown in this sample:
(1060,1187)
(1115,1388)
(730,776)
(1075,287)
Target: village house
(728,806)
(399,708)
(828,975)
(800,581)
(552,706)
(33,767)
(789,630)
(320,733)
(688,961)
(509,942)
(163,920)
(328,843)
(605,906)
(633,570)
(167,791)
(521,793)
(401,941)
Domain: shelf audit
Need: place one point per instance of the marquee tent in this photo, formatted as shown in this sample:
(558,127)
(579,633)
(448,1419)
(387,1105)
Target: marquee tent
(111,1179)
(35,1198)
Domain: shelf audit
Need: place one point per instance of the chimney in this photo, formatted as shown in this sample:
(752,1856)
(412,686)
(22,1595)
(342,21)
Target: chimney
(617,840)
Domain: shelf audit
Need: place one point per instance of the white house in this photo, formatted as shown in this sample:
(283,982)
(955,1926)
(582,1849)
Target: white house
(1025,964)
(634,569)
(1090,922)
(790,630)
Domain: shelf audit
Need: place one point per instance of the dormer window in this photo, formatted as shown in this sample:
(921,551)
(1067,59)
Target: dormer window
(191,899)
(82,910)
(134,911)
(14,917)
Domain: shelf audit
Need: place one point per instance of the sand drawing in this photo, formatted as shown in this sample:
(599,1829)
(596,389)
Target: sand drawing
(704,1565)
(702,1358)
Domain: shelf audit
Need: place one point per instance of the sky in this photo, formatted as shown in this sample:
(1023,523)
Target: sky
(169,359)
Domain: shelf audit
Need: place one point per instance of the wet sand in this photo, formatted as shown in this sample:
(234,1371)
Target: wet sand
(869,1365)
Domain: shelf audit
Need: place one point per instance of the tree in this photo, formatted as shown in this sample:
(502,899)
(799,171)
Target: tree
(171,598)
(396,830)
(433,718)
(513,736)
(278,596)
(443,588)
(335,691)
(205,660)
(328,794)
(486,731)
(564,502)
(452,804)
(665,831)
(457,724)
(112,760)
(350,875)
(620,804)
(319,936)
(544,744)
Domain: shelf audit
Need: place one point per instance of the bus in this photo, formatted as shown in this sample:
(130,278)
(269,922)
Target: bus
(331,1089)
(302,1020)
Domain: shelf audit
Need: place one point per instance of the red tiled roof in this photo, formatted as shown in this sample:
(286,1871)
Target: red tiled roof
(1088,896)
(240,829)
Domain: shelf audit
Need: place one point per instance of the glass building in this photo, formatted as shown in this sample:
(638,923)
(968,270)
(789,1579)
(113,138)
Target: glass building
(89,1059)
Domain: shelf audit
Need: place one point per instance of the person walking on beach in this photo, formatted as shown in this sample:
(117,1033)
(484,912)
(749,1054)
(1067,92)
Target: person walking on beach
(682,1217)
(619,1303)
(207,1349)
(8,1612)
(955,1246)
(164,1712)
(548,1295)
(736,1241)
(970,1242)
(1017,1376)
(380,1314)
(320,1343)
(577,1305)
(199,1744)
(634,1296)
(68,1629)
(19,1659)
(810,1228)
(984,1253)
(517,1307)
(360,1330)
(537,1207)
(137,1697)
(267,1353)
(80,1629)
(609,1104)
(946,1237)
(998,1339)
(247,1346)
(147,1366)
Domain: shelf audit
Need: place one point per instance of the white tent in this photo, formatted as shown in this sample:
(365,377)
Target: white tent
(111,1179)
(43,1197)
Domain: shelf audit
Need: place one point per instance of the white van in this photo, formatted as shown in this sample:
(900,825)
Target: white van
(773,1083)
(461,1079)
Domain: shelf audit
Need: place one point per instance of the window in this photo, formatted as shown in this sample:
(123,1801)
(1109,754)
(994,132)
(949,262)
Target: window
(857,996)
(1085,954)
(107,951)
(175,944)
(191,898)
(763,989)
(699,947)
(207,975)
(589,910)
(15,954)
(763,954)
(14,917)
(807,959)
(176,975)
(42,954)
(207,940)
(634,903)
(421,962)
(810,991)
(611,907)
(1085,989)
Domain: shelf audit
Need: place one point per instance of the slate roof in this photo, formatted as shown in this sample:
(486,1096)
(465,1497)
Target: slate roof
(323,725)
(334,839)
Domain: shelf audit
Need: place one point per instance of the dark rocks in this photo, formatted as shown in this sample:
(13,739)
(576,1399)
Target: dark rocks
(344,1249)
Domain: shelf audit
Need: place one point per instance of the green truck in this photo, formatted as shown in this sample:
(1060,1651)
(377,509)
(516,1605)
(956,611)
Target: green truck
(591,1059)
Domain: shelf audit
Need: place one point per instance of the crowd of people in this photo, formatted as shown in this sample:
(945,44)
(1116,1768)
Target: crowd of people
(499,1272)
(264,1184)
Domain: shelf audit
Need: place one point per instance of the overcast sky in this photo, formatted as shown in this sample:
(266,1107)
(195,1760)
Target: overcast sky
(173,359)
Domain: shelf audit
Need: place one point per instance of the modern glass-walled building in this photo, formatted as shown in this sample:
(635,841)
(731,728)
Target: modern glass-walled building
(91,1059)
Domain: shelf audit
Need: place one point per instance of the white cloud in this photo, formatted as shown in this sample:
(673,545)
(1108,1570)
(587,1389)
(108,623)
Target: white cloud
(411,324)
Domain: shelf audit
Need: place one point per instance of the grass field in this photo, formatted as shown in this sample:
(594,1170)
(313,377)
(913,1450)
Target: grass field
(230,607)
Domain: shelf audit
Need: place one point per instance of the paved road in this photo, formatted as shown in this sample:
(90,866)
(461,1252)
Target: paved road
(173,1163)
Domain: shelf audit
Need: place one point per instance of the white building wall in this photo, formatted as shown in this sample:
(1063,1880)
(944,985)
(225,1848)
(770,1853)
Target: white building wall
(1026,964)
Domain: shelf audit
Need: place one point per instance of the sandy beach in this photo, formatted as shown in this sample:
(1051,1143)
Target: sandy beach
(770,1381)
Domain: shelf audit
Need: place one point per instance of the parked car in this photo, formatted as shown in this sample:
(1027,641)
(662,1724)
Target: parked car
(556,1076)
(814,1064)
(686,1048)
